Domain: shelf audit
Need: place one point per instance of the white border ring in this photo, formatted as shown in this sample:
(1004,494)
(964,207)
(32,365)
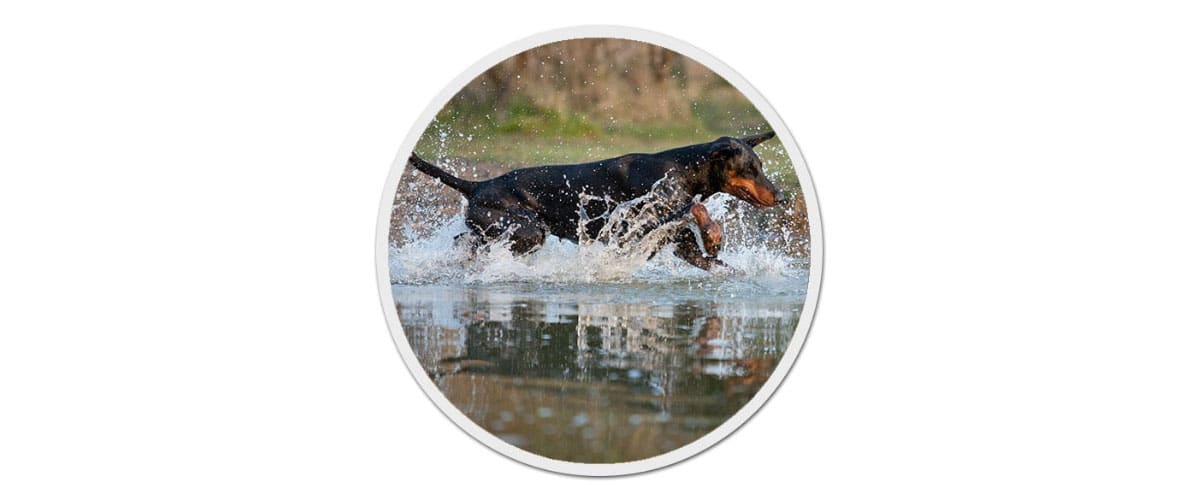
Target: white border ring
(729,426)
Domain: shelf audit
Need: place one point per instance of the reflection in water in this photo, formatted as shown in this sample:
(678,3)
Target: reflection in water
(598,373)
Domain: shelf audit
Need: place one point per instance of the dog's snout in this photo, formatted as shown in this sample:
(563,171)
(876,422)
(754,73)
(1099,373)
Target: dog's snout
(774,194)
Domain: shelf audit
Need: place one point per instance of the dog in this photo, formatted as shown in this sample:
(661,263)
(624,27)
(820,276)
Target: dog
(526,204)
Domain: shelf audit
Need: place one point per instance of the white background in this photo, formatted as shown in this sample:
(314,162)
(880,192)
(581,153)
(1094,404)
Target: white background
(189,194)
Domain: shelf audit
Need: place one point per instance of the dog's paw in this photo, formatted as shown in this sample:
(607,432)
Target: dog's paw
(720,268)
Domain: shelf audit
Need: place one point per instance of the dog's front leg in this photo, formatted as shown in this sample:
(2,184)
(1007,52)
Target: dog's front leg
(711,234)
(688,249)
(699,251)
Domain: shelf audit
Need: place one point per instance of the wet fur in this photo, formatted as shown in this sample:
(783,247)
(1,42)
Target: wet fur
(526,204)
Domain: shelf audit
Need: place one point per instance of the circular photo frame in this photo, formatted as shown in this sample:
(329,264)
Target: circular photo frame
(599,251)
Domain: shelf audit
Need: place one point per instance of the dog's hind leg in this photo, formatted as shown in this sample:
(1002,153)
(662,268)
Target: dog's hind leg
(519,227)
(468,242)
(526,238)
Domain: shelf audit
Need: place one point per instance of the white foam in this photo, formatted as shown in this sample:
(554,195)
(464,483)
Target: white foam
(612,257)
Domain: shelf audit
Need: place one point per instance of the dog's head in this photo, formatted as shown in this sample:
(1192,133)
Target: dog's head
(739,170)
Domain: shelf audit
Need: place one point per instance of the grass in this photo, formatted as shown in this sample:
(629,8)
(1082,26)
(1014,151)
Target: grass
(525,135)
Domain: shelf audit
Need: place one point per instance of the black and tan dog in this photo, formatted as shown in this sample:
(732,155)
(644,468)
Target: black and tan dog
(525,205)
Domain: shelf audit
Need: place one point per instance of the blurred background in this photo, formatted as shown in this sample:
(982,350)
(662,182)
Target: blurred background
(585,100)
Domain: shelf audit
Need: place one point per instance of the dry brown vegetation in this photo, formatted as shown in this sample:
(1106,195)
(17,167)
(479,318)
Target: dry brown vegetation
(600,78)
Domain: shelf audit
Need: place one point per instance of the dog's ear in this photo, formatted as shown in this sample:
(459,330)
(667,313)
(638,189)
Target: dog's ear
(757,139)
(721,149)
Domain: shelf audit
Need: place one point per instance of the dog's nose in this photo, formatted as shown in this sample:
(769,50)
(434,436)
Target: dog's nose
(777,195)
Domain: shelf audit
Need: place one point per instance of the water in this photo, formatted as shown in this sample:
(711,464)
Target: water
(578,353)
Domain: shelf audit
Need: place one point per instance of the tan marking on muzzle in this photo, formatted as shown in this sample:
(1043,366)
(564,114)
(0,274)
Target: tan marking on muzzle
(750,191)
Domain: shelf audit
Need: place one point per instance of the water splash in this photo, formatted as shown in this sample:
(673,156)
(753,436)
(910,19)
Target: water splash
(630,233)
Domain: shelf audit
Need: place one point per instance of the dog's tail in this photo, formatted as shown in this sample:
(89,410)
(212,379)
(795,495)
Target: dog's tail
(463,186)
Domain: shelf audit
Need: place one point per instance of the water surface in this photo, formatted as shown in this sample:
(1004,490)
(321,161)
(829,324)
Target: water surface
(602,372)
